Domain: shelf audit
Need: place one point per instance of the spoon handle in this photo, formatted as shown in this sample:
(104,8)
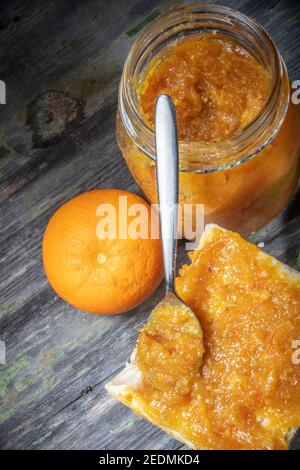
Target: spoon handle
(167,183)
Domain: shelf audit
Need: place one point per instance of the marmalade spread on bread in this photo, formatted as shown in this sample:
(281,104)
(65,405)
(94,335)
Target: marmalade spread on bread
(217,86)
(244,391)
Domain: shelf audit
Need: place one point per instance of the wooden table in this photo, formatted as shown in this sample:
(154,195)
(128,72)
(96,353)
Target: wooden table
(55,56)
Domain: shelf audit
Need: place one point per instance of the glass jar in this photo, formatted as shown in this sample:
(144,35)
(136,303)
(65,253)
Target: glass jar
(242,180)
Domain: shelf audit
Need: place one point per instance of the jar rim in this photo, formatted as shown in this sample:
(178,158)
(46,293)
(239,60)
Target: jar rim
(218,154)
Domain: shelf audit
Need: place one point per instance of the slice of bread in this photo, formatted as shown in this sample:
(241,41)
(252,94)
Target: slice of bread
(129,380)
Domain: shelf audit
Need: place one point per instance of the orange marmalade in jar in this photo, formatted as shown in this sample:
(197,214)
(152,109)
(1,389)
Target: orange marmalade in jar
(239,138)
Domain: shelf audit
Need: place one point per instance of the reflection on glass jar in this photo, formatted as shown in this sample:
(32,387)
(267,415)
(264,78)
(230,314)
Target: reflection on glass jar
(244,178)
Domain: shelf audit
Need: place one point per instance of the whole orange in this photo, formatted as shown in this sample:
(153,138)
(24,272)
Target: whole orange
(96,273)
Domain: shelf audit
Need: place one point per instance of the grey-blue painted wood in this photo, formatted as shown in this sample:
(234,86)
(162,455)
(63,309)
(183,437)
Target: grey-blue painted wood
(68,56)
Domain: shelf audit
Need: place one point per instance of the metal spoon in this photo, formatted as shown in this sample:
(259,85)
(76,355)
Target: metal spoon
(167,182)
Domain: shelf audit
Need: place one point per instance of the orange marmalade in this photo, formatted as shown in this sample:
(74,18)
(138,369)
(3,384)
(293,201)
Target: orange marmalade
(172,334)
(216,85)
(239,134)
(244,393)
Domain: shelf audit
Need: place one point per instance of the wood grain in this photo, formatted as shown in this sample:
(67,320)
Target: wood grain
(58,359)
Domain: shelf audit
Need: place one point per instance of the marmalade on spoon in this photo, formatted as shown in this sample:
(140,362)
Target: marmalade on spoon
(244,393)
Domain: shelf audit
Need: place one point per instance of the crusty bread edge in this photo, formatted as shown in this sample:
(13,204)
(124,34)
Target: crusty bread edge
(129,378)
